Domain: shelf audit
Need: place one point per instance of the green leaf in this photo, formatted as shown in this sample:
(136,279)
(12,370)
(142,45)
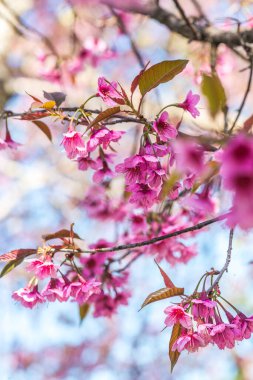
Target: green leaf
(162,294)
(174,355)
(10,265)
(104,115)
(83,311)
(160,73)
(213,89)
(44,128)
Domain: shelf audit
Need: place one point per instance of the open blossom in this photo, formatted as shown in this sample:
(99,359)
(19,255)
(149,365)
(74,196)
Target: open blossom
(81,290)
(103,137)
(244,325)
(164,130)
(107,91)
(42,269)
(189,104)
(189,157)
(54,290)
(237,176)
(203,308)
(28,296)
(223,334)
(190,341)
(142,195)
(137,168)
(72,141)
(177,314)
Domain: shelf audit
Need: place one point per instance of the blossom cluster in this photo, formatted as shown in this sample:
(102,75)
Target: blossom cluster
(202,323)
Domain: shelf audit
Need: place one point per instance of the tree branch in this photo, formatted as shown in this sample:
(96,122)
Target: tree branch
(228,259)
(156,239)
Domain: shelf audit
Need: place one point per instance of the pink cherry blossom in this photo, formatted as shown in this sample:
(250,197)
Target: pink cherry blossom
(164,130)
(72,141)
(177,314)
(42,269)
(203,308)
(81,290)
(103,137)
(189,104)
(108,91)
(54,290)
(223,335)
(137,168)
(28,296)
(190,341)
(142,195)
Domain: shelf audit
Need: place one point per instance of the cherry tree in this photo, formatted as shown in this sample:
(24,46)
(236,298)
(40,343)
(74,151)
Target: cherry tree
(160,136)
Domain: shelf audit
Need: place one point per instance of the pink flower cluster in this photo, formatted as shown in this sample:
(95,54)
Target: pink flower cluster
(237,175)
(202,324)
(62,288)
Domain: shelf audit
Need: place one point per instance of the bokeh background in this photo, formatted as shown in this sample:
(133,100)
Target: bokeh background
(41,192)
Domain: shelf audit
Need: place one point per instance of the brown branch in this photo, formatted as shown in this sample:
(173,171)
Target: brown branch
(156,239)
(228,259)
(204,34)
(185,18)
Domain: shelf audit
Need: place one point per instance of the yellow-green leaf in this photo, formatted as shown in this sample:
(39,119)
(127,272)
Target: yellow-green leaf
(83,311)
(213,89)
(174,355)
(104,115)
(162,294)
(160,73)
(10,265)
(48,105)
(44,128)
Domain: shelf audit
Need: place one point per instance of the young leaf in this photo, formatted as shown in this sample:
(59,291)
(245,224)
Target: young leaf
(136,80)
(174,355)
(167,281)
(162,294)
(17,254)
(34,98)
(160,73)
(61,235)
(44,128)
(48,105)
(10,265)
(212,88)
(33,115)
(248,124)
(105,114)
(57,97)
(83,311)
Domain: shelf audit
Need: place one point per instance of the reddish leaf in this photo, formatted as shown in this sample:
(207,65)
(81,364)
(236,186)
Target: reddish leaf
(135,81)
(33,115)
(167,281)
(174,355)
(105,114)
(61,235)
(162,294)
(34,98)
(248,124)
(44,128)
(17,254)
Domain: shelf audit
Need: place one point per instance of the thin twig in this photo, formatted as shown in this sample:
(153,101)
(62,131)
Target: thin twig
(228,259)
(182,13)
(244,97)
